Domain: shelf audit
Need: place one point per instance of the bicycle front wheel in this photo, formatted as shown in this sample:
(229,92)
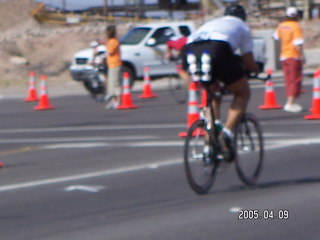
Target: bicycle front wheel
(249,148)
(199,162)
(178,89)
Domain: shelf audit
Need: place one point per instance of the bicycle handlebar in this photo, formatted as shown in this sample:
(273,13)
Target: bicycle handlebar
(222,90)
(256,76)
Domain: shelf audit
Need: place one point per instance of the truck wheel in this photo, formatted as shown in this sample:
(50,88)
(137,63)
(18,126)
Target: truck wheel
(129,70)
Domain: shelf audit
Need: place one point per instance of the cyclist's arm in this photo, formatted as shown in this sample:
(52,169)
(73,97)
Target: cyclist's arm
(168,50)
(246,49)
(249,63)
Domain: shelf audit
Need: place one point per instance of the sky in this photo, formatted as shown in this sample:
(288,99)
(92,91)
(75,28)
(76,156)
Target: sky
(82,4)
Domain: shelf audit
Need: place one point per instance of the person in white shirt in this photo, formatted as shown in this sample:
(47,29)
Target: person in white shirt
(220,39)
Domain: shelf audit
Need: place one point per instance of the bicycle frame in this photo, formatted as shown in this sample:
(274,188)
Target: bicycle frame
(211,123)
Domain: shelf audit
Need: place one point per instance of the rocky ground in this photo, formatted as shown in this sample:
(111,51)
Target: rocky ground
(26,45)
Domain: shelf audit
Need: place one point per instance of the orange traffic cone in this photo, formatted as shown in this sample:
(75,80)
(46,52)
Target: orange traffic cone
(193,111)
(147,91)
(44,103)
(315,109)
(32,92)
(270,101)
(126,98)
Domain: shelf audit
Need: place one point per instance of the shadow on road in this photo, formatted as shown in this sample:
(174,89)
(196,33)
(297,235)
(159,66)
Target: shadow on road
(273,184)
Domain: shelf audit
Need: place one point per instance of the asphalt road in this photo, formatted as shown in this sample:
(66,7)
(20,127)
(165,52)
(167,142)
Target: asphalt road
(82,172)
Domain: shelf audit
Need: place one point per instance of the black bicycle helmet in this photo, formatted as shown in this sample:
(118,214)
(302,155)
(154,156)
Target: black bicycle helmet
(236,10)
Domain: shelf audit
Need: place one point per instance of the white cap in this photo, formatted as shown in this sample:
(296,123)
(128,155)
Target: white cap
(292,12)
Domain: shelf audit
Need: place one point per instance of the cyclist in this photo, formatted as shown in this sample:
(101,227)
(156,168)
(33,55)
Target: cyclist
(174,47)
(220,39)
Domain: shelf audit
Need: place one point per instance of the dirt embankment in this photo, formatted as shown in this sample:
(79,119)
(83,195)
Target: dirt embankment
(26,45)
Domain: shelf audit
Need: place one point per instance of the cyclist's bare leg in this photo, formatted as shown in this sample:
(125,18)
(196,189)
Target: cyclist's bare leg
(184,75)
(215,102)
(241,95)
(216,107)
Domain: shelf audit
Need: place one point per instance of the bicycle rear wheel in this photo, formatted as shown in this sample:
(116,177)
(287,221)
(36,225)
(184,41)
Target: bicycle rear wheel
(199,158)
(249,148)
(178,89)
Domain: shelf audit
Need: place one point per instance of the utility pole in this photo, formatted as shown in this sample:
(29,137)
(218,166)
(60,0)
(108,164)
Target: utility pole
(141,8)
(105,8)
(253,6)
(306,6)
(288,3)
(64,5)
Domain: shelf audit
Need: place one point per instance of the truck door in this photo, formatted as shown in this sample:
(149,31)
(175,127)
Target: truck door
(158,63)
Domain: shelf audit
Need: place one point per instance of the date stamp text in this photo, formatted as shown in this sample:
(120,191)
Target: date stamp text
(255,214)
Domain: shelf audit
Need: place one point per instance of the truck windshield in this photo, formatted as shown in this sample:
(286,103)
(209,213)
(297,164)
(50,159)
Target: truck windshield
(135,35)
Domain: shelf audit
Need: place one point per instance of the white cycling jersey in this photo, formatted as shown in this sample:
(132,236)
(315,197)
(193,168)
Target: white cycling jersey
(229,29)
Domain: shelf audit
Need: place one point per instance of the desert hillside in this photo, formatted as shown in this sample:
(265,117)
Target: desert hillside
(26,45)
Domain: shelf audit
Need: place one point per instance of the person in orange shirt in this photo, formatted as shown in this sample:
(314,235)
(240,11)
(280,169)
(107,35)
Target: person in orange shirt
(289,32)
(114,63)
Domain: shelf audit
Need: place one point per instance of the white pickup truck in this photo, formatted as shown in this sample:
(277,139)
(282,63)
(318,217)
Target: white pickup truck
(144,45)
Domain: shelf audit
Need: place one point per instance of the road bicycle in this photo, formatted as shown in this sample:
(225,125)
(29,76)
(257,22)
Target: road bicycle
(176,85)
(204,153)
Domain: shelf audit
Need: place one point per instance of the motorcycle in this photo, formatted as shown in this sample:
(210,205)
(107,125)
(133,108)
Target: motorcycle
(93,76)
(94,82)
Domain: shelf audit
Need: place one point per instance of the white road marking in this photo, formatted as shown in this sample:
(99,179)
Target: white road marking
(287,123)
(78,139)
(145,144)
(164,143)
(85,188)
(135,141)
(275,144)
(75,145)
(137,126)
(235,209)
(269,144)
(154,166)
(87,175)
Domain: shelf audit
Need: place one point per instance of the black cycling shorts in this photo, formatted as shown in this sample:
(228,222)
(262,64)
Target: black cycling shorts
(225,65)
